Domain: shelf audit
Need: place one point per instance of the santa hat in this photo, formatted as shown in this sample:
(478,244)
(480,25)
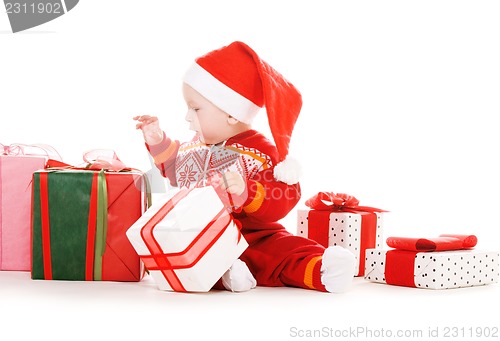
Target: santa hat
(237,81)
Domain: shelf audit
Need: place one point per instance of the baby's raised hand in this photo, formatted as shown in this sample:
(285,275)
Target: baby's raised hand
(150,126)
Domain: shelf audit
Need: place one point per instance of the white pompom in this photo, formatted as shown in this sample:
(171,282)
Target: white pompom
(288,171)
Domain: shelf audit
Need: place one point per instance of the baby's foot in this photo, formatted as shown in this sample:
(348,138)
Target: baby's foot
(337,269)
(238,277)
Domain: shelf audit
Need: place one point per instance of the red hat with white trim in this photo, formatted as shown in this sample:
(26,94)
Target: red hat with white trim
(237,81)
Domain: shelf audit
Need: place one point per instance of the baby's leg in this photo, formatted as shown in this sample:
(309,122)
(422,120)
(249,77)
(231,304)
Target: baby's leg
(283,259)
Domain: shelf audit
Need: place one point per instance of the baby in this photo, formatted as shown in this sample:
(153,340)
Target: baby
(224,90)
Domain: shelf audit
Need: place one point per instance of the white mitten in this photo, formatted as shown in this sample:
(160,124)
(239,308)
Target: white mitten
(238,278)
(337,269)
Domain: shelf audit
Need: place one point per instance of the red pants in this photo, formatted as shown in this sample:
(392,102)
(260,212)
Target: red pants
(278,258)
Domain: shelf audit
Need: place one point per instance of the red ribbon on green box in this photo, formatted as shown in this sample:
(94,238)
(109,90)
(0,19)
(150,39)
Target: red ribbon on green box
(96,227)
(79,222)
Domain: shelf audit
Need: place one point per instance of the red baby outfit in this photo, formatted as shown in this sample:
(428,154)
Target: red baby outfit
(275,257)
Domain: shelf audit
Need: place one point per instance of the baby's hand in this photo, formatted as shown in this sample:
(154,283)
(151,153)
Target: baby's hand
(231,182)
(229,186)
(150,127)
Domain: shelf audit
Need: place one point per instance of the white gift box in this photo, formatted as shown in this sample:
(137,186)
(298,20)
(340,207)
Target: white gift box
(343,229)
(187,240)
(434,270)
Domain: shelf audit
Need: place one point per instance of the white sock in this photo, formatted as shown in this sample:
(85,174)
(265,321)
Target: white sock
(337,269)
(238,277)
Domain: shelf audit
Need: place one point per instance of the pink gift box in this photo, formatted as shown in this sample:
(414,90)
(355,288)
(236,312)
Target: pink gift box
(15,209)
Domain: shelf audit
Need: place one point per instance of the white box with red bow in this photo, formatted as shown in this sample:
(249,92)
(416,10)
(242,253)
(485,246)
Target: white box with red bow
(187,240)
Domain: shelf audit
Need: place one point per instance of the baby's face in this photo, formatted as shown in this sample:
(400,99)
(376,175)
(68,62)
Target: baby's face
(207,120)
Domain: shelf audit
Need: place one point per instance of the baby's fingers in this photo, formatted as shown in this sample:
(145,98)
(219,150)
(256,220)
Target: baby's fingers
(146,119)
(233,183)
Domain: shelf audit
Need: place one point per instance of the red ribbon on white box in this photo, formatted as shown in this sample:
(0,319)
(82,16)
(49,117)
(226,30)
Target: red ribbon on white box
(442,243)
(400,262)
(166,263)
(325,203)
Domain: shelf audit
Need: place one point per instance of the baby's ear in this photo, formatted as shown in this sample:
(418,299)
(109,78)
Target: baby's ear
(231,120)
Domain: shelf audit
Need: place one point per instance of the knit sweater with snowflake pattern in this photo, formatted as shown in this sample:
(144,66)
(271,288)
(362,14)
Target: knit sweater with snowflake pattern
(249,153)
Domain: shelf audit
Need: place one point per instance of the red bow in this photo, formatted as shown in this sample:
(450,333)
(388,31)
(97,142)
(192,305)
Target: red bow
(323,203)
(442,243)
(337,202)
(95,159)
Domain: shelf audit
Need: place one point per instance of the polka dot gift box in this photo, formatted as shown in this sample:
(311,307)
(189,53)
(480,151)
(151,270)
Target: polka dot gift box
(337,219)
(446,262)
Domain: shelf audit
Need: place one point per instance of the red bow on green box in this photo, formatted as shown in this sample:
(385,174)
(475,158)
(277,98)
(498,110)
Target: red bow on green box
(80,217)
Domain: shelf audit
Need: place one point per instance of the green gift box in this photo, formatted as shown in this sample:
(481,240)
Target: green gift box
(79,223)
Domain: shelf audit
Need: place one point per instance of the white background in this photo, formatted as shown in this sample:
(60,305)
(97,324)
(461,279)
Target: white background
(401,103)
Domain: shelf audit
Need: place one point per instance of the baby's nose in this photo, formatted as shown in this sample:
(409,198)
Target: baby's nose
(189,115)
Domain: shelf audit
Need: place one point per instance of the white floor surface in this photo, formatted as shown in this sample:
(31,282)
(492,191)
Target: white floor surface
(66,310)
